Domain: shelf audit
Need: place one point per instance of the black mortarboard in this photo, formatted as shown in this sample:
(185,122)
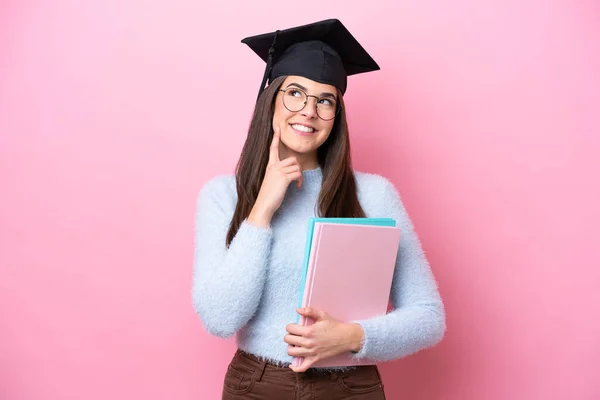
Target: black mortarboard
(323,51)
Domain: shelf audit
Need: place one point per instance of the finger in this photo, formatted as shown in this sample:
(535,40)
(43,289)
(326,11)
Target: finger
(293,161)
(299,341)
(300,181)
(274,149)
(306,364)
(294,176)
(291,169)
(288,161)
(297,330)
(299,351)
(313,313)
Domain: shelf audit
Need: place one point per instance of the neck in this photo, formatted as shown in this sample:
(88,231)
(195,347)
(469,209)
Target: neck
(307,161)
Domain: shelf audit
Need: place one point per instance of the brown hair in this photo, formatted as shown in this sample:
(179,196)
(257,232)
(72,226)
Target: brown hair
(338,196)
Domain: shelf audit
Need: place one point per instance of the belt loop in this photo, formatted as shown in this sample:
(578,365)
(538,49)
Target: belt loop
(260,371)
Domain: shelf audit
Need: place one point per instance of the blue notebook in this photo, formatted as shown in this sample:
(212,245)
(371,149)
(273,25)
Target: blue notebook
(309,239)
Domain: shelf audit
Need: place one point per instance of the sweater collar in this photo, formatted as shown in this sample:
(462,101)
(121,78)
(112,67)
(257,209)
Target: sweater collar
(313,177)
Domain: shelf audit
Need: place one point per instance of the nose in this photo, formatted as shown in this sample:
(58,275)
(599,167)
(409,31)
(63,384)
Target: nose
(310,109)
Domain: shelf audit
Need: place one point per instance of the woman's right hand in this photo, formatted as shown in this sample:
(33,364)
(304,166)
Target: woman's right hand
(278,176)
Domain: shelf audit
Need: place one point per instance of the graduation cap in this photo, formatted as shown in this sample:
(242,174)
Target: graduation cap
(323,51)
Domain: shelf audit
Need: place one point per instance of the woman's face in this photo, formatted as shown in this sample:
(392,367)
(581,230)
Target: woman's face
(303,131)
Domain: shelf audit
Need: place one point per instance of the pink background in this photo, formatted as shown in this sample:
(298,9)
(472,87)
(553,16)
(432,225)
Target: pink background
(114,113)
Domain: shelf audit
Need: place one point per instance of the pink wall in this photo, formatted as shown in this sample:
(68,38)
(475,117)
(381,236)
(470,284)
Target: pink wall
(111,116)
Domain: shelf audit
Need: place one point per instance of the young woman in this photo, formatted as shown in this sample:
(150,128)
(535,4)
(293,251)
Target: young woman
(251,231)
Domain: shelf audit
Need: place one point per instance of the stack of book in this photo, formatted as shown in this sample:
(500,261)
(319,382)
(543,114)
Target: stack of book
(348,269)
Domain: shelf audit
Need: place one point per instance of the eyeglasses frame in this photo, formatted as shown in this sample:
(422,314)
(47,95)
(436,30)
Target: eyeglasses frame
(338,106)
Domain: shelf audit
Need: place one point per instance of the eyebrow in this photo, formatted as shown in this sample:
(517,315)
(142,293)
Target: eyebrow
(323,94)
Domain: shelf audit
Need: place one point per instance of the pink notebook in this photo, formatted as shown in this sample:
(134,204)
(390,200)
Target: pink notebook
(349,276)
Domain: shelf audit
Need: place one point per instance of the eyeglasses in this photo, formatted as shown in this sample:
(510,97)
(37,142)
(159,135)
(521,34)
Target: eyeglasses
(295,100)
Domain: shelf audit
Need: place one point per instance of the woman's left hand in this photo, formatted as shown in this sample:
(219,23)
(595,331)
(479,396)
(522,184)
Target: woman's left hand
(325,338)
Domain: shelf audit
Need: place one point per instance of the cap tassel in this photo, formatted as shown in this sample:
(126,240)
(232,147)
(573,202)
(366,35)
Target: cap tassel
(268,67)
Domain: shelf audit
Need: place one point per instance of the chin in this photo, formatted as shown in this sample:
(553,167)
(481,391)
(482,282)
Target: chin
(300,144)
(299,148)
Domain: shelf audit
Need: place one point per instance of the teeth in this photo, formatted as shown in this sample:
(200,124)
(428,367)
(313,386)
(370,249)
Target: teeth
(303,128)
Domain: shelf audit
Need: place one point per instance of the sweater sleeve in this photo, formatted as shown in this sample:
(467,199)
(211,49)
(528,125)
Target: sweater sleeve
(227,281)
(417,320)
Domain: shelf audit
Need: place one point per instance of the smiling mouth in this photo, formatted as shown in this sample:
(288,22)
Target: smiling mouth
(302,128)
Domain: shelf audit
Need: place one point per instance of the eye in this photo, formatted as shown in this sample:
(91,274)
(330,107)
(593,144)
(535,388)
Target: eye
(327,102)
(294,93)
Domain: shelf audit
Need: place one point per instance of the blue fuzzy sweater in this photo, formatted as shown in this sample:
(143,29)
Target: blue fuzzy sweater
(252,288)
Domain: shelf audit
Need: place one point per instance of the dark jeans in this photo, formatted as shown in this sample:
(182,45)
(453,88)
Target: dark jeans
(248,377)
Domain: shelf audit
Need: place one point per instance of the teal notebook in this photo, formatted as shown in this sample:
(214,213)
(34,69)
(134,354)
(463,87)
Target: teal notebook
(309,239)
